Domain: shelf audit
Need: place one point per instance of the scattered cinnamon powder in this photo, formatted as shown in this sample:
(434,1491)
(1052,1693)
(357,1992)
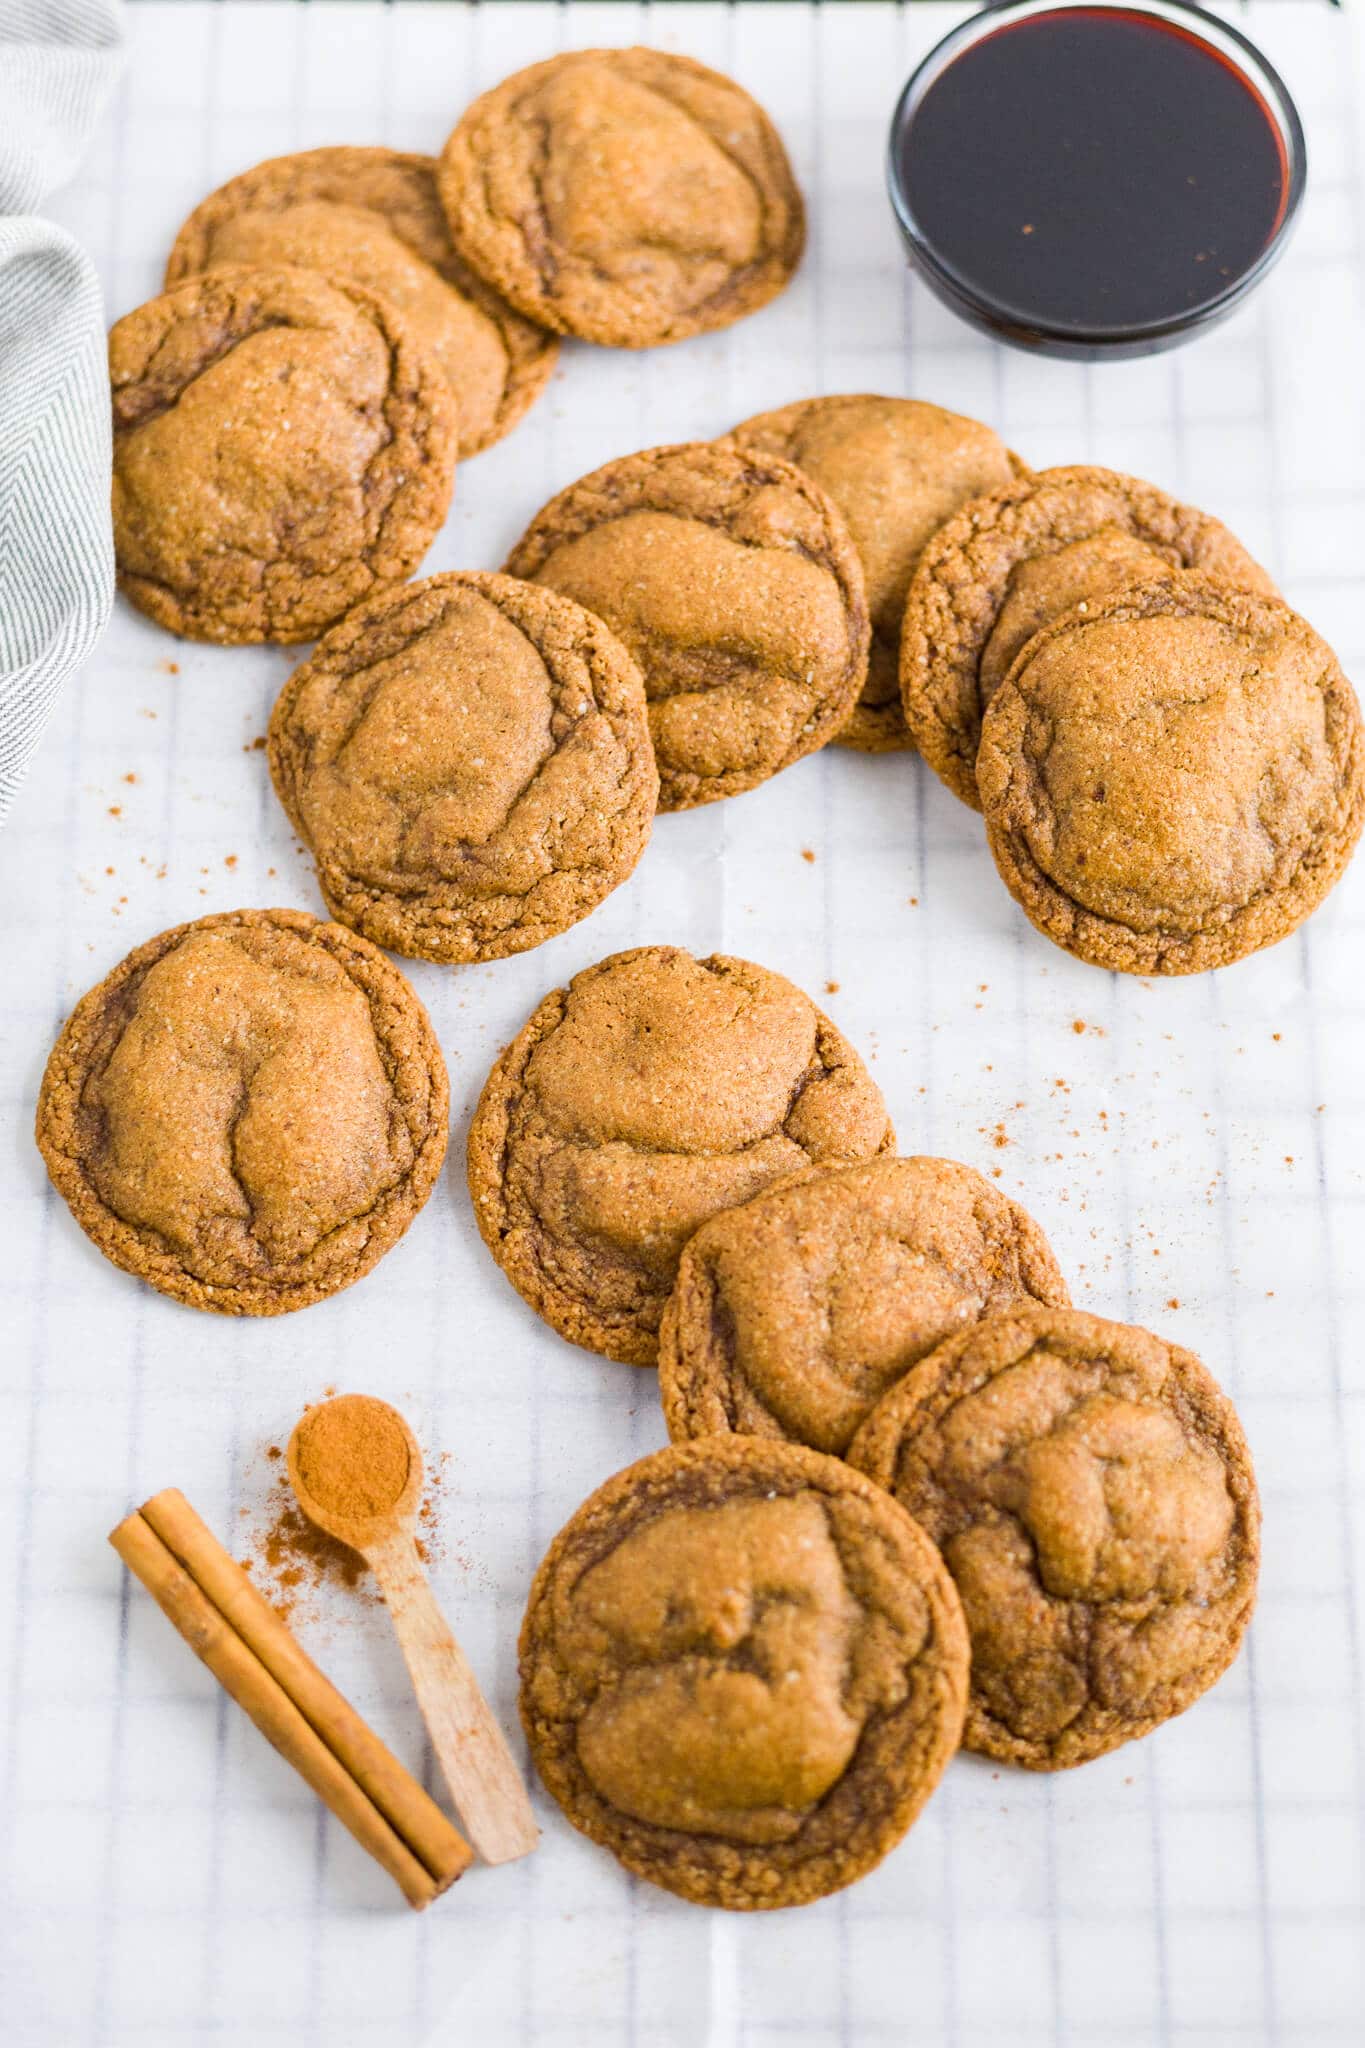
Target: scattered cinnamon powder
(297,1558)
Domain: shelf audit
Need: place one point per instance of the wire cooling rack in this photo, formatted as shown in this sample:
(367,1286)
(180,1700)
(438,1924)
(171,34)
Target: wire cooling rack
(1193,1149)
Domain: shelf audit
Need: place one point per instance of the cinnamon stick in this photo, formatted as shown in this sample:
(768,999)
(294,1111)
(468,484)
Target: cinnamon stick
(236,1633)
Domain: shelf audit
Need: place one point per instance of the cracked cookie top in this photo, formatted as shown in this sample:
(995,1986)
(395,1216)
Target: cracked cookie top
(282,447)
(897,469)
(1092,1494)
(1173,779)
(626,196)
(248,1112)
(743,1670)
(732,579)
(794,1313)
(1009,564)
(468,759)
(652,1091)
(372,217)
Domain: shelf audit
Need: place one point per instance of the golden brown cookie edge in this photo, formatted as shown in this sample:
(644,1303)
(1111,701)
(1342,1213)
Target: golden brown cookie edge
(381,915)
(874,1452)
(121,1243)
(785,1466)
(950,613)
(1103,942)
(457,169)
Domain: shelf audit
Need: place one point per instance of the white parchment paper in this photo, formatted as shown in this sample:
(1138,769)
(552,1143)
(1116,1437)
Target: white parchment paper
(1193,1149)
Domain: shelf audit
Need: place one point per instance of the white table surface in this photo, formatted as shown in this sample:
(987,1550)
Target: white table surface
(1195,1155)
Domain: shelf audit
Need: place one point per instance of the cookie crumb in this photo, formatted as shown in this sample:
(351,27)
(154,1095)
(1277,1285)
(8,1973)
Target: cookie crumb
(808,854)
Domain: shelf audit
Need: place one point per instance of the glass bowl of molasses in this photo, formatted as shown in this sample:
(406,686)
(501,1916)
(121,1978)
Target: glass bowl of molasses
(1095,178)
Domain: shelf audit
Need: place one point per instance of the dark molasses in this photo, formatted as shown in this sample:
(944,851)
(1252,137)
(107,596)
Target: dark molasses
(1093,169)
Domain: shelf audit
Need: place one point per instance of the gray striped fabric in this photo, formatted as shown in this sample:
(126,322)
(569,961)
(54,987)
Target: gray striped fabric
(58,59)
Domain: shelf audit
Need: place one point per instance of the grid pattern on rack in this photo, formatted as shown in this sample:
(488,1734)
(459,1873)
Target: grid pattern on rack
(1194,1151)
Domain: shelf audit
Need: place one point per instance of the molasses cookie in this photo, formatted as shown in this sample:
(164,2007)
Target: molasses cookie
(1173,779)
(896,468)
(1014,561)
(652,1091)
(627,196)
(372,217)
(1092,1494)
(732,579)
(248,1112)
(743,1670)
(793,1314)
(468,759)
(282,447)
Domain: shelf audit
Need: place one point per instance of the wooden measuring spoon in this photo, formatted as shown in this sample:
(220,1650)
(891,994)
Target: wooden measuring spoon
(356,1470)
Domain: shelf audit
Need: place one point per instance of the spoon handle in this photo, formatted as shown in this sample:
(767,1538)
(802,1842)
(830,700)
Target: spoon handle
(484,1781)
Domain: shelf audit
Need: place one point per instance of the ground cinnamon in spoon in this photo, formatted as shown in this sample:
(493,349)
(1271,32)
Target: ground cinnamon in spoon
(295,1564)
(353,1457)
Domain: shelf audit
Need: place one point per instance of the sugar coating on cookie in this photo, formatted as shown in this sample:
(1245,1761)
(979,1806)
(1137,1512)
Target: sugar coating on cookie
(468,759)
(372,217)
(282,447)
(1173,779)
(1009,564)
(248,1112)
(1092,1494)
(630,197)
(794,1313)
(651,1092)
(897,468)
(733,580)
(743,1670)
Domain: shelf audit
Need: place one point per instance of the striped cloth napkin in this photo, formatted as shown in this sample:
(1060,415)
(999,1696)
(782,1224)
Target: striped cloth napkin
(58,60)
